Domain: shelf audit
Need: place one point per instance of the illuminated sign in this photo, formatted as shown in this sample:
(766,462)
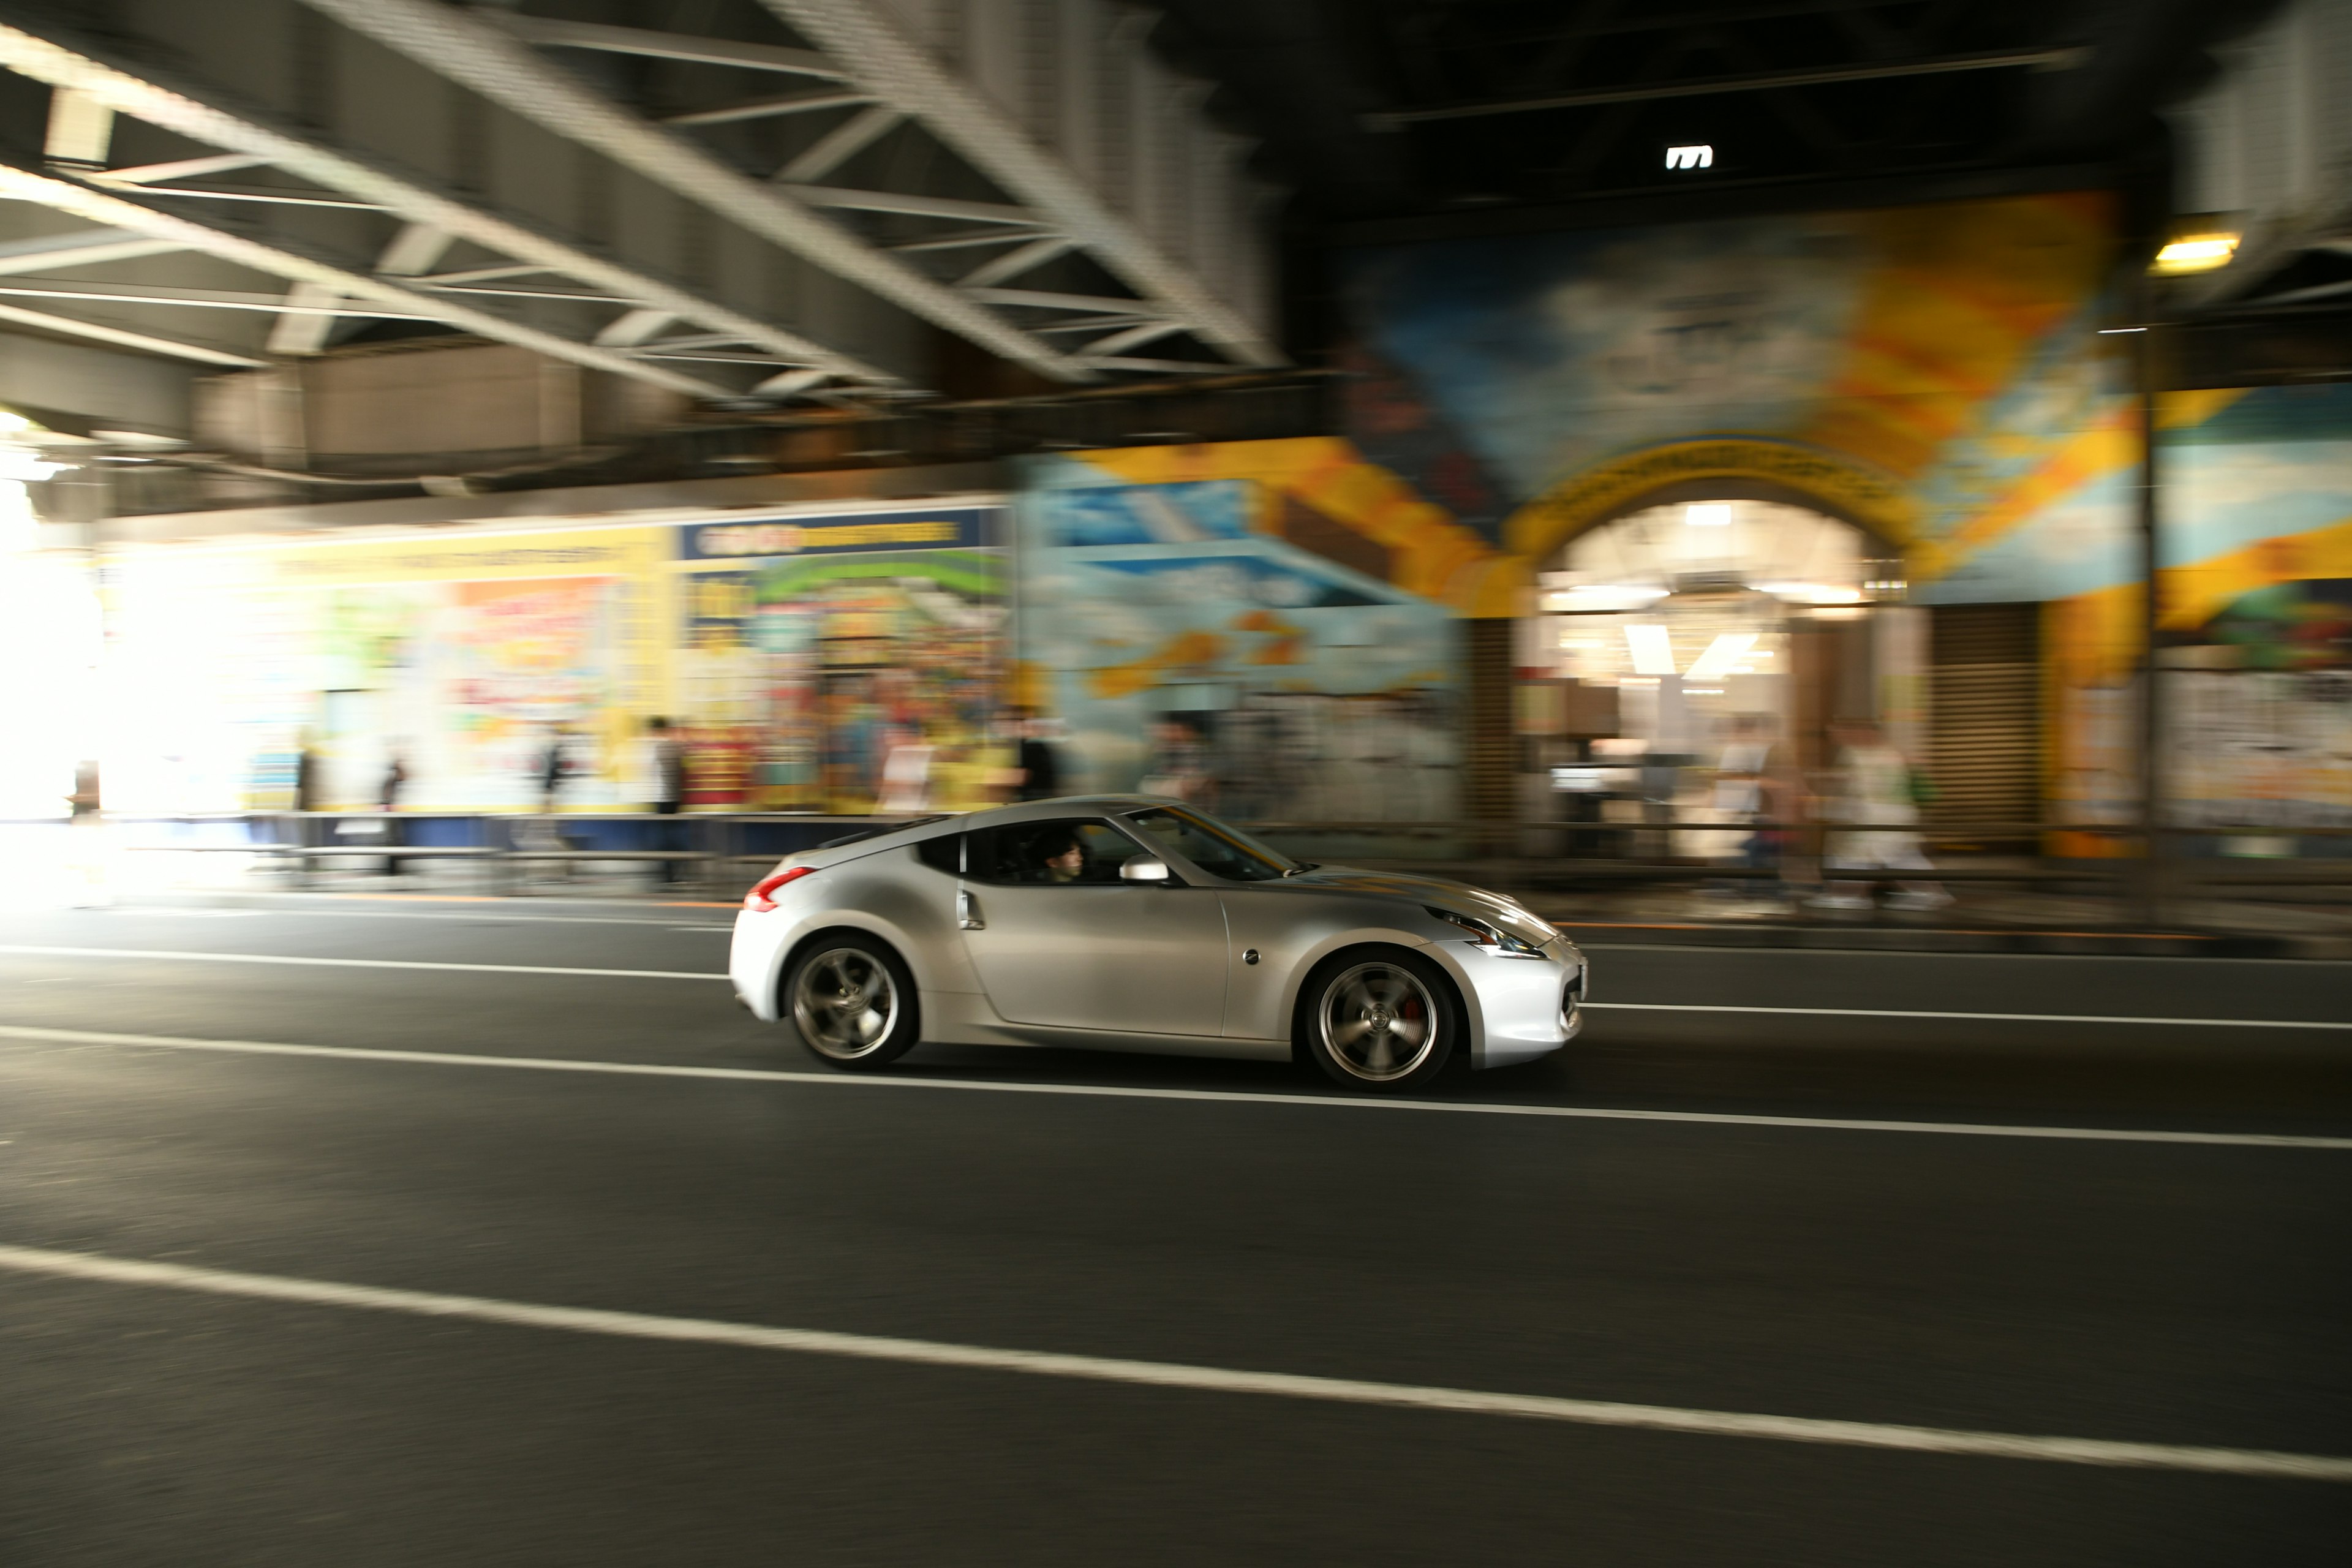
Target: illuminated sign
(950,528)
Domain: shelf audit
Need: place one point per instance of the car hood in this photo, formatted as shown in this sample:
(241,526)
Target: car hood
(1458,897)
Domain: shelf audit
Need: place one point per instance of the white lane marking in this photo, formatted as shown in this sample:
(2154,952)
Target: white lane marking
(1615,1007)
(1212,1096)
(1178,1374)
(444,916)
(1969,1017)
(354,963)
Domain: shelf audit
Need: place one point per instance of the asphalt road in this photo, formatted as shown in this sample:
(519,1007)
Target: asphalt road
(362,1347)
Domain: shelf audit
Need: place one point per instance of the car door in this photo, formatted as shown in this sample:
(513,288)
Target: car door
(1058,940)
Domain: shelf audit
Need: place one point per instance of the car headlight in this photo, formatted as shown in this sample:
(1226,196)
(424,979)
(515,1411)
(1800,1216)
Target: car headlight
(1492,938)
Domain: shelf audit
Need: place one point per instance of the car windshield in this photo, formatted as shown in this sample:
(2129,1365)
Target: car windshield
(1220,850)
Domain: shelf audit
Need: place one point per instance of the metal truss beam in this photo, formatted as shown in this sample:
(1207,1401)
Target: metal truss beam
(550,33)
(100,206)
(118,338)
(885,61)
(83,247)
(302,300)
(178,169)
(1045,299)
(768,108)
(500,66)
(916,207)
(181,111)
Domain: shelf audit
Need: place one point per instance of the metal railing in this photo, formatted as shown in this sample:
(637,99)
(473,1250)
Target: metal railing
(715,852)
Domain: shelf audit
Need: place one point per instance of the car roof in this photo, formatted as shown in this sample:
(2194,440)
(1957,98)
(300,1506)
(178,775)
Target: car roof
(1062,805)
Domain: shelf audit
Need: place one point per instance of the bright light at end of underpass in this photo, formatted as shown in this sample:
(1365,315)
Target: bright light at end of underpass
(1701,157)
(1652,650)
(2196,253)
(1709,514)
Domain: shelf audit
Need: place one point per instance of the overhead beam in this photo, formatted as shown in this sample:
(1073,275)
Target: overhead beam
(177,109)
(884,60)
(82,248)
(118,338)
(1013,263)
(296,302)
(308,318)
(1135,337)
(80,130)
(964,238)
(914,206)
(840,144)
(1762,81)
(1044,299)
(104,208)
(768,108)
(550,33)
(201,168)
(415,250)
(500,65)
(633,326)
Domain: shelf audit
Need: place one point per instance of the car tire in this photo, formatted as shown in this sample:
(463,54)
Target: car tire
(852,1001)
(1380,1020)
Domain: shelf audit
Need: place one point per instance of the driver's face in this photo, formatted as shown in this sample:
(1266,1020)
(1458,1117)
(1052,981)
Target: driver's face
(1072,861)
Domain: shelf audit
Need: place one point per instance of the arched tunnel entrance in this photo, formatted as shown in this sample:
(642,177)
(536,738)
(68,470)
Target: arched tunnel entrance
(1673,645)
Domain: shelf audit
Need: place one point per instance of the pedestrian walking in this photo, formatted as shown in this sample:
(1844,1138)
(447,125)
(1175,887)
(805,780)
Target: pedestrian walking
(1041,773)
(86,841)
(1876,789)
(670,779)
(395,779)
(554,767)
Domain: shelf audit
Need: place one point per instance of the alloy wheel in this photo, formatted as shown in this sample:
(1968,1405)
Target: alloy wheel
(1379,1022)
(845,1002)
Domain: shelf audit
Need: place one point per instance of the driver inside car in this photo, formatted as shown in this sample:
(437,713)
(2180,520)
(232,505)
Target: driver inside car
(1060,858)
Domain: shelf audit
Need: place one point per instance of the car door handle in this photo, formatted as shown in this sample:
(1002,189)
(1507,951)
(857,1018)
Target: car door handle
(968,911)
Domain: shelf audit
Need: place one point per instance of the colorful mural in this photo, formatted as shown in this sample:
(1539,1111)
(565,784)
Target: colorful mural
(796,652)
(1268,626)
(814,650)
(1931,373)
(461,652)
(2256,627)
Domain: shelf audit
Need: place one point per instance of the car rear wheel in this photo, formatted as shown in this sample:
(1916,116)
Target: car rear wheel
(1383,1020)
(853,1001)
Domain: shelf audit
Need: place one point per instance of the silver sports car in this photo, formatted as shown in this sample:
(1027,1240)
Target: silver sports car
(1127,923)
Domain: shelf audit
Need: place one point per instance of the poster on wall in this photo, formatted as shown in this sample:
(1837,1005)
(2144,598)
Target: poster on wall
(843,663)
(2255,632)
(464,656)
(1182,645)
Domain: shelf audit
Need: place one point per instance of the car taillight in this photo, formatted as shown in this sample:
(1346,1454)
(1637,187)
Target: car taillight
(758,899)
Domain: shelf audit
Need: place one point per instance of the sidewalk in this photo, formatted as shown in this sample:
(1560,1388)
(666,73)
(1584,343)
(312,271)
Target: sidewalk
(1983,917)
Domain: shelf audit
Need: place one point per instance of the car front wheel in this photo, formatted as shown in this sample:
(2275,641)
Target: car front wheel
(1380,1020)
(853,1001)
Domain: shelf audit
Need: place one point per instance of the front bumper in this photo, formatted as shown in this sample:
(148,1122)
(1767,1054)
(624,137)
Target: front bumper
(1521,1008)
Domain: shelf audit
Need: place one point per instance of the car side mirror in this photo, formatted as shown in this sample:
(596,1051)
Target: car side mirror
(1144,868)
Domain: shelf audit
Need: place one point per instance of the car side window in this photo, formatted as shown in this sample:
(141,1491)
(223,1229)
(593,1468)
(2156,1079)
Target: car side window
(1063,851)
(944,853)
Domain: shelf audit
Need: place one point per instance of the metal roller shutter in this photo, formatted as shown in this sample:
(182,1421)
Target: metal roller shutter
(1490,748)
(1984,717)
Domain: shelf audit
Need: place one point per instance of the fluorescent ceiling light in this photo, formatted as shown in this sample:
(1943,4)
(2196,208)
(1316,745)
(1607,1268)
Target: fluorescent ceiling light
(2196,253)
(1602,597)
(1720,656)
(1652,650)
(1709,514)
(1813,593)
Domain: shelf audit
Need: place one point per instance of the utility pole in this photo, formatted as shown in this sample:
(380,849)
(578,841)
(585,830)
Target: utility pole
(2152,780)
